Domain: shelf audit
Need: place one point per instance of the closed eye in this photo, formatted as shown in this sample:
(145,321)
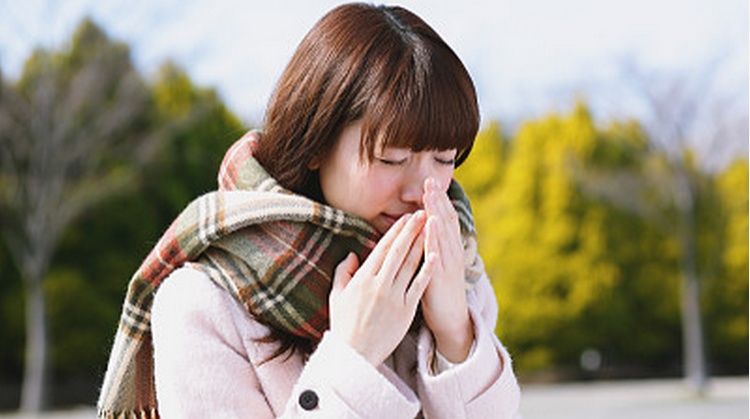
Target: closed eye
(392,162)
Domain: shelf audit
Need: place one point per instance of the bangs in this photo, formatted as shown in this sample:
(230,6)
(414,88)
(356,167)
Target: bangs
(424,100)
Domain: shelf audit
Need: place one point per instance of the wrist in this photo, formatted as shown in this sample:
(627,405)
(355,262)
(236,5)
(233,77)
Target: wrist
(365,351)
(454,345)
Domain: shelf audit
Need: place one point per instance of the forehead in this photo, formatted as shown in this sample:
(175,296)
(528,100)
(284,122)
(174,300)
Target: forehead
(375,141)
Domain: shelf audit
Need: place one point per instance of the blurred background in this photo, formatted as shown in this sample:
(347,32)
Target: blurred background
(609,182)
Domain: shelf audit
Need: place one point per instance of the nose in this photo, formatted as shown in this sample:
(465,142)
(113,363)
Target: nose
(412,187)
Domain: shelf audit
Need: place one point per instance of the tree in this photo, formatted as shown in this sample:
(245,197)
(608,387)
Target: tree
(683,114)
(75,129)
(725,293)
(549,256)
(572,273)
(102,249)
(481,174)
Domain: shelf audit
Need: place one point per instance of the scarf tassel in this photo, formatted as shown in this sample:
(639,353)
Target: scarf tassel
(129,414)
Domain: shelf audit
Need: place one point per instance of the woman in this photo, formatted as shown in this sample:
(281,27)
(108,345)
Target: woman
(334,274)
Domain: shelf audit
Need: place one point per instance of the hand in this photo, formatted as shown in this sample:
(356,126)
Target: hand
(444,305)
(372,307)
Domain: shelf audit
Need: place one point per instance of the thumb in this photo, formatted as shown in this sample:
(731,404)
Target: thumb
(345,271)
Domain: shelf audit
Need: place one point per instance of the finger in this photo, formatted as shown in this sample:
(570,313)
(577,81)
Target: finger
(442,204)
(373,262)
(449,230)
(410,265)
(421,281)
(450,213)
(428,199)
(432,244)
(448,235)
(345,271)
(439,199)
(437,203)
(400,248)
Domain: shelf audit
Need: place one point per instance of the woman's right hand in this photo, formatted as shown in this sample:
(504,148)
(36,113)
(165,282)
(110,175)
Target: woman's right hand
(372,306)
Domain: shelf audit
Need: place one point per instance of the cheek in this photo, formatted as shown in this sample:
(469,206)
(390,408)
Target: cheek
(379,186)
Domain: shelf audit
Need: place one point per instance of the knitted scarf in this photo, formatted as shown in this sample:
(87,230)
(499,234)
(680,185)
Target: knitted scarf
(272,250)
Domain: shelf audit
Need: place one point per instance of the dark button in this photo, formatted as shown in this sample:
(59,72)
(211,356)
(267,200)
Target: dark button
(308,400)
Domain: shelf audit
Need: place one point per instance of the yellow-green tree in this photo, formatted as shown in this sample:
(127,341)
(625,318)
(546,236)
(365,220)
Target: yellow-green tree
(548,258)
(726,288)
(571,272)
(481,174)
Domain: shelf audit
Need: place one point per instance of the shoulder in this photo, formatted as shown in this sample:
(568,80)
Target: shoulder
(187,285)
(203,363)
(190,300)
(188,292)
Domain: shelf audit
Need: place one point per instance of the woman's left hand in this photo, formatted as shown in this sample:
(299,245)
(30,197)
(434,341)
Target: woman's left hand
(444,305)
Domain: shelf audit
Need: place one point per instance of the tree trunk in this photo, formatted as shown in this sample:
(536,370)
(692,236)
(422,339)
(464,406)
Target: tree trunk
(33,392)
(694,360)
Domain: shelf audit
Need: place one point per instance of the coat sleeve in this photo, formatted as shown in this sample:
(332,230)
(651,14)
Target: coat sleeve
(202,367)
(482,386)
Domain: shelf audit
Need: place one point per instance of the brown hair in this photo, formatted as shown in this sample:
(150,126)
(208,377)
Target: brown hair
(381,64)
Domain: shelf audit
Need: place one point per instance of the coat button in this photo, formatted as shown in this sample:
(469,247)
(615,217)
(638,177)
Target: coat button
(308,400)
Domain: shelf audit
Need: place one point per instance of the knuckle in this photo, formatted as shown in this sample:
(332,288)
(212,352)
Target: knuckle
(380,292)
(340,269)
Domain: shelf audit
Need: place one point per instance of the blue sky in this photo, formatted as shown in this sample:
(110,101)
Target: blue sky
(527,57)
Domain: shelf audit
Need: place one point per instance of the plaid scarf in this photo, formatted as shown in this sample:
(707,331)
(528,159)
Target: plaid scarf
(272,250)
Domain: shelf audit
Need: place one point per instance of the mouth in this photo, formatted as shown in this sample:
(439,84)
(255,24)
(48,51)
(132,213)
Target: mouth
(387,221)
(391,218)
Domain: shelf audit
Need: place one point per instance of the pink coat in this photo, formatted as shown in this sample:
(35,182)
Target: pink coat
(207,365)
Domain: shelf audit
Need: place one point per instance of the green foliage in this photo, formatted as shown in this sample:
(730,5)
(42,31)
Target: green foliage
(726,290)
(483,168)
(11,317)
(79,317)
(104,245)
(122,230)
(573,271)
(189,163)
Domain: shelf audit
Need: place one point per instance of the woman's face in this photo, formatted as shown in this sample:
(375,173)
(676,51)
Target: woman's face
(386,188)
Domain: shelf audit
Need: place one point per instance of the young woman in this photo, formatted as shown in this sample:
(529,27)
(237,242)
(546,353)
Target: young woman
(334,273)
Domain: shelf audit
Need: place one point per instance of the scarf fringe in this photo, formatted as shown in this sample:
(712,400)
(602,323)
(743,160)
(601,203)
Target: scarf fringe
(151,413)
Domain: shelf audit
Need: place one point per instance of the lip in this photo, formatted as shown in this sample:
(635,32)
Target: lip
(393,218)
(390,217)
(388,221)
